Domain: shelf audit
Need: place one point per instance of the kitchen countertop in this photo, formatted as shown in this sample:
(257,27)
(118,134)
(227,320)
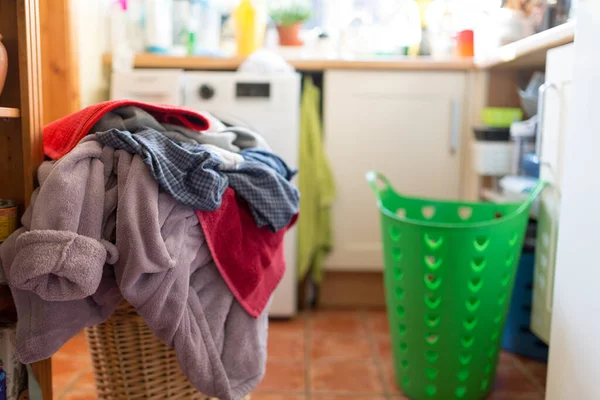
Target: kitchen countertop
(304,64)
(527,53)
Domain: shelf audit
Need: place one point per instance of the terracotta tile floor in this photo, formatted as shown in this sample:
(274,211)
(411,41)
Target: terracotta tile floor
(322,355)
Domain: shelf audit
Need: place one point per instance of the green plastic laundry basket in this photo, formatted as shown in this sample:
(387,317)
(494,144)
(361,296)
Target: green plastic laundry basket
(449,274)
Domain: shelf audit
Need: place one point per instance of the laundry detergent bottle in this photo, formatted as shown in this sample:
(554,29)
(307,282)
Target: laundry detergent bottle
(246,28)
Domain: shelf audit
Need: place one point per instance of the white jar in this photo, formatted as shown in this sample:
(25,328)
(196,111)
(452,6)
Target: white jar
(491,158)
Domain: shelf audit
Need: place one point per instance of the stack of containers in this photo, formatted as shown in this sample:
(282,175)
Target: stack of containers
(518,337)
(493,151)
(505,147)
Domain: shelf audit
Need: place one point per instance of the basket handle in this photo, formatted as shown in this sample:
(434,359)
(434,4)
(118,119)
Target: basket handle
(533,194)
(378,182)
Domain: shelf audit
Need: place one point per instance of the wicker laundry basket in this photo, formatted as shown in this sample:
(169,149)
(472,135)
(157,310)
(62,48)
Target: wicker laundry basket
(131,363)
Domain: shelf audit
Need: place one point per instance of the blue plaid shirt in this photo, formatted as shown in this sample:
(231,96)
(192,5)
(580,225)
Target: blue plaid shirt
(192,175)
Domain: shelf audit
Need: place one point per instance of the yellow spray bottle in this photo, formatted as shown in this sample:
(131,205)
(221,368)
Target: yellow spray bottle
(246,32)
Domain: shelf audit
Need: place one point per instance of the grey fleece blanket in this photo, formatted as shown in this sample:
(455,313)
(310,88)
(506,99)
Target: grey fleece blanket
(99,230)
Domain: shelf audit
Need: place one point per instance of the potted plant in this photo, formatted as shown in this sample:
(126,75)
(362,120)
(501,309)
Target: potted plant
(289,19)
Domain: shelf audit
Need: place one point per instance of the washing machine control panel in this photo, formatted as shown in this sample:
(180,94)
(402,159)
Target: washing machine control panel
(252,90)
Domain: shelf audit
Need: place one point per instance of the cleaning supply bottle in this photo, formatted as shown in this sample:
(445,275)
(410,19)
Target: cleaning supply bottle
(122,56)
(246,32)
(206,27)
(158,26)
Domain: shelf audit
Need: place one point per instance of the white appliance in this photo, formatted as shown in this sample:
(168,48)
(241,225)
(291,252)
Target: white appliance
(555,112)
(268,104)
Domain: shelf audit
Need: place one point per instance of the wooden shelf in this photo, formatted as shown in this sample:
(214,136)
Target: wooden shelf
(6,112)
(531,51)
(302,64)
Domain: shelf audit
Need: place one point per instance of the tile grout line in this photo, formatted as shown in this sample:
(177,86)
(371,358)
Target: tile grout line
(307,355)
(528,375)
(72,383)
(378,363)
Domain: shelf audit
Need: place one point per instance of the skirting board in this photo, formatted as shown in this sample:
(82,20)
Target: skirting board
(352,289)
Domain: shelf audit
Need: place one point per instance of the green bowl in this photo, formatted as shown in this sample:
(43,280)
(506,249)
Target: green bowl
(501,117)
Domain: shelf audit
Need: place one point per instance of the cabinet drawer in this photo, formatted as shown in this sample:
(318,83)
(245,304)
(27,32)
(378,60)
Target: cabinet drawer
(415,83)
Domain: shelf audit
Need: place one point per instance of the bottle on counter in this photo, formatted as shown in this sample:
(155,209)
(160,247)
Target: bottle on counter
(205,26)
(247,30)
(159,26)
(122,56)
(181,27)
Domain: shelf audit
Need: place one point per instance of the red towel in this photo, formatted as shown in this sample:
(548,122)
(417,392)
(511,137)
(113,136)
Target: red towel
(250,259)
(62,135)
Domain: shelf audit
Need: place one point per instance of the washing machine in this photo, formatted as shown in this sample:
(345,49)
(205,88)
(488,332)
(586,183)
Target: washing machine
(268,104)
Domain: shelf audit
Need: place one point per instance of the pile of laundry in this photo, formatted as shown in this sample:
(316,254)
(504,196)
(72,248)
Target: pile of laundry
(169,210)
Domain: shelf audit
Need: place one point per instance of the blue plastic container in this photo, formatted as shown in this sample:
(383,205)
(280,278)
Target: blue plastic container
(518,338)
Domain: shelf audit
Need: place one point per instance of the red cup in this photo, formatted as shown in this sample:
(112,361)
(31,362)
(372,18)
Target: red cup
(465,43)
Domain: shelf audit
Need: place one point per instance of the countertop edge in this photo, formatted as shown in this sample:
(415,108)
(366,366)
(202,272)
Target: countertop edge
(232,63)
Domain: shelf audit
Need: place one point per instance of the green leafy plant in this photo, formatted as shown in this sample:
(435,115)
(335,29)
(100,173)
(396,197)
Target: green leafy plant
(291,14)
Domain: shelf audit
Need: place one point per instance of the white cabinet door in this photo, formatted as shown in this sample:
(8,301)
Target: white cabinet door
(406,125)
(554,107)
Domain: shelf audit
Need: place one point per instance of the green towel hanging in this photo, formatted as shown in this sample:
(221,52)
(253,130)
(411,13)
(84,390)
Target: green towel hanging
(316,186)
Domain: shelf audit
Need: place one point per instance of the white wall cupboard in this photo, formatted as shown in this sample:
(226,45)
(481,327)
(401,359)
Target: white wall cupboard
(556,117)
(407,125)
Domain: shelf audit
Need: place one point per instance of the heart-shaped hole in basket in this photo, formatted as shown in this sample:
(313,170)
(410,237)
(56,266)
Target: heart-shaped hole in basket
(432,338)
(473,304)
(399,293)
(428,211)
(430,390)
(432,301)
(465,212)
(400,311)
(481,242)
(475,284)
(431,373)
(478,263)
(395,233)
(469,323)
(465,359)
(484,384)
(396,254)
(431,356)
(502,299)
(462,375)
(433,241)
(433,262)
(402,329)
(432,320)
(467,341)
(432,281)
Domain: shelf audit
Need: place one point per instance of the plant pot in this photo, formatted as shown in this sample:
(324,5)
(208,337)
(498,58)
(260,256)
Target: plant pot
(3,64)
(290,35)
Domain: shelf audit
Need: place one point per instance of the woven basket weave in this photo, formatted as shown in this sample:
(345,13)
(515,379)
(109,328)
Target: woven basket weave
(131,363)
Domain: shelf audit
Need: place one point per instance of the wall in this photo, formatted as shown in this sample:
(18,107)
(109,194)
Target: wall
(92,36)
